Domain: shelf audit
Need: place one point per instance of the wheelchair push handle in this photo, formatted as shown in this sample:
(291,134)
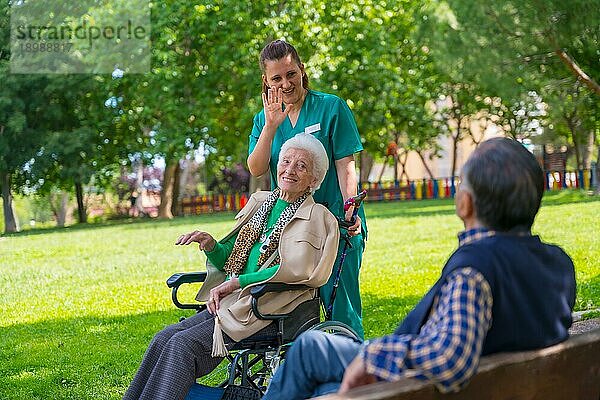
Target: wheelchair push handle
(355,201)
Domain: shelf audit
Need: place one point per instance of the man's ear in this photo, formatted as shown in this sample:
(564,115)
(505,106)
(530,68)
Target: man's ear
(465,207)
(264,79)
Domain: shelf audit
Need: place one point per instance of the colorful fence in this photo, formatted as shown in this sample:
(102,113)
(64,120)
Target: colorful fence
(418,189)
(411,190)
(446,187)
(582,179)
(209,203)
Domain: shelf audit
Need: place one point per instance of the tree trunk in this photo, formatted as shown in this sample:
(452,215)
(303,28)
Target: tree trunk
(185,176)
(454,152)
(166,194)
(403,159)
(81,214)
(588,150)
(572,125)
(366,164)
(385,161)
(63,208)
(139,175)
(598,172)
(576,150)
(425,164)
(175,209)
(10,219)
(59,203)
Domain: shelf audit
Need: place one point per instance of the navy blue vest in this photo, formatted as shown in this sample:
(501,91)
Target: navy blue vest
(533,289)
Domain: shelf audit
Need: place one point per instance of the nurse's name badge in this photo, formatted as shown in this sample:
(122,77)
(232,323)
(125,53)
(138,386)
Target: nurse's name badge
(313,128)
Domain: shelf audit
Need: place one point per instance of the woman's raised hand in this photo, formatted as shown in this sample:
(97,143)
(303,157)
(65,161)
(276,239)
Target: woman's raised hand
(204,240)
(272,102)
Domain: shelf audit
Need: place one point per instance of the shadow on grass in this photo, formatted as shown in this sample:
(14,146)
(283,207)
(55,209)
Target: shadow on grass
(381,315)
(129,223)
(79,358)
(96,357)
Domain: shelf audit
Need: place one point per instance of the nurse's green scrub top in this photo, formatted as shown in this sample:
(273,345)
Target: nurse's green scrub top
(330,120)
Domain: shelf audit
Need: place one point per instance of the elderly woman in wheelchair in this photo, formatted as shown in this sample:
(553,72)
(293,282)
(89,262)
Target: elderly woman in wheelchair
(280,237)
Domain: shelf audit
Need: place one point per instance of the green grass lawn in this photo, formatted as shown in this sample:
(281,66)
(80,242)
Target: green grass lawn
(79,305)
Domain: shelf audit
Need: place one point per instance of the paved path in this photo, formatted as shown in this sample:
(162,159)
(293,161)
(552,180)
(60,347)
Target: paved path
(584,326)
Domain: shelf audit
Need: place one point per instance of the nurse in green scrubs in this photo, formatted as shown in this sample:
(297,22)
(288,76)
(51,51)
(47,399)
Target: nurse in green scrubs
(290,108)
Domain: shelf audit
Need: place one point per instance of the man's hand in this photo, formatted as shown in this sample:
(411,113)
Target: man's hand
(356,375)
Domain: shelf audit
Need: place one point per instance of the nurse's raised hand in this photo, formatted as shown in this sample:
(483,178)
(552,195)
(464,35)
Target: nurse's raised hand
(273,104)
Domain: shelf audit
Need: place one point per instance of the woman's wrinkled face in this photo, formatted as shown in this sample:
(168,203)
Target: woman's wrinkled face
(287,75)
(295,173)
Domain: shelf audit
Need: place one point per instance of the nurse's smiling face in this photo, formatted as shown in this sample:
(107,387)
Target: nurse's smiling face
(287,75)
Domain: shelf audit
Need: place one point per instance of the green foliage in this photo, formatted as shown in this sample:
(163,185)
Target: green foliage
(523,54)
(394,62)
(80,305)
(510,46)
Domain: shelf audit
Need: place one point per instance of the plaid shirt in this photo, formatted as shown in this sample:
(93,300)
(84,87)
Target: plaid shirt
(447,349)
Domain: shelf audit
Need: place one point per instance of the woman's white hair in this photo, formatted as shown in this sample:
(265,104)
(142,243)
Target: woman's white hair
(312,145)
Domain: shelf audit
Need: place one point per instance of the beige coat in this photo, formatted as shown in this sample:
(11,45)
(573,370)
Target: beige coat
(308,248)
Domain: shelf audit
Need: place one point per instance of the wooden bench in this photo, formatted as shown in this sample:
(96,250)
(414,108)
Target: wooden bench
(569,370)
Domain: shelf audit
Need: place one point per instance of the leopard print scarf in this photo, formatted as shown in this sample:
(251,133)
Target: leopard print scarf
(252,231)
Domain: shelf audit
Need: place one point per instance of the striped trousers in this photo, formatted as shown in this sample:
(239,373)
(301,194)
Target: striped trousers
(176,357)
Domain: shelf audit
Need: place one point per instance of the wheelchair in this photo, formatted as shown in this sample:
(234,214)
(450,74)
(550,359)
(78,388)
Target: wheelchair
(252,361)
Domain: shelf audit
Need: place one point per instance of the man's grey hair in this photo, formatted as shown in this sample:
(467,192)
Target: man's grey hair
(506,183)
(312,145)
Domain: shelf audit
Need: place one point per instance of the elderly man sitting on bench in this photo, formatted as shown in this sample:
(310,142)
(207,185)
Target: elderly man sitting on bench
(503,289)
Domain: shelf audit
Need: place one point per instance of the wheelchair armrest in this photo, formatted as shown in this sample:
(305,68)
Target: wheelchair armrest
(260,290)
(176,280)
(185,277)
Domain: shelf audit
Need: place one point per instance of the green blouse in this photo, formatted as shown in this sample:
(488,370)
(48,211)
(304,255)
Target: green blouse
(251,274)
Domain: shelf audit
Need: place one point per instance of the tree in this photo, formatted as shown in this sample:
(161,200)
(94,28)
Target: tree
(199,93)
(521,118)
(21,108)
(367,54)
(461,104)
(507,44)
(575,117)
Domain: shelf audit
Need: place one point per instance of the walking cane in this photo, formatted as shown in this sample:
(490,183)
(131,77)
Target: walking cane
(356,202)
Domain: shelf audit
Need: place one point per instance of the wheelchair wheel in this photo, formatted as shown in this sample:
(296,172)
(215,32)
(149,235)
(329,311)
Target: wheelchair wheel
(253,369)
(336,328)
